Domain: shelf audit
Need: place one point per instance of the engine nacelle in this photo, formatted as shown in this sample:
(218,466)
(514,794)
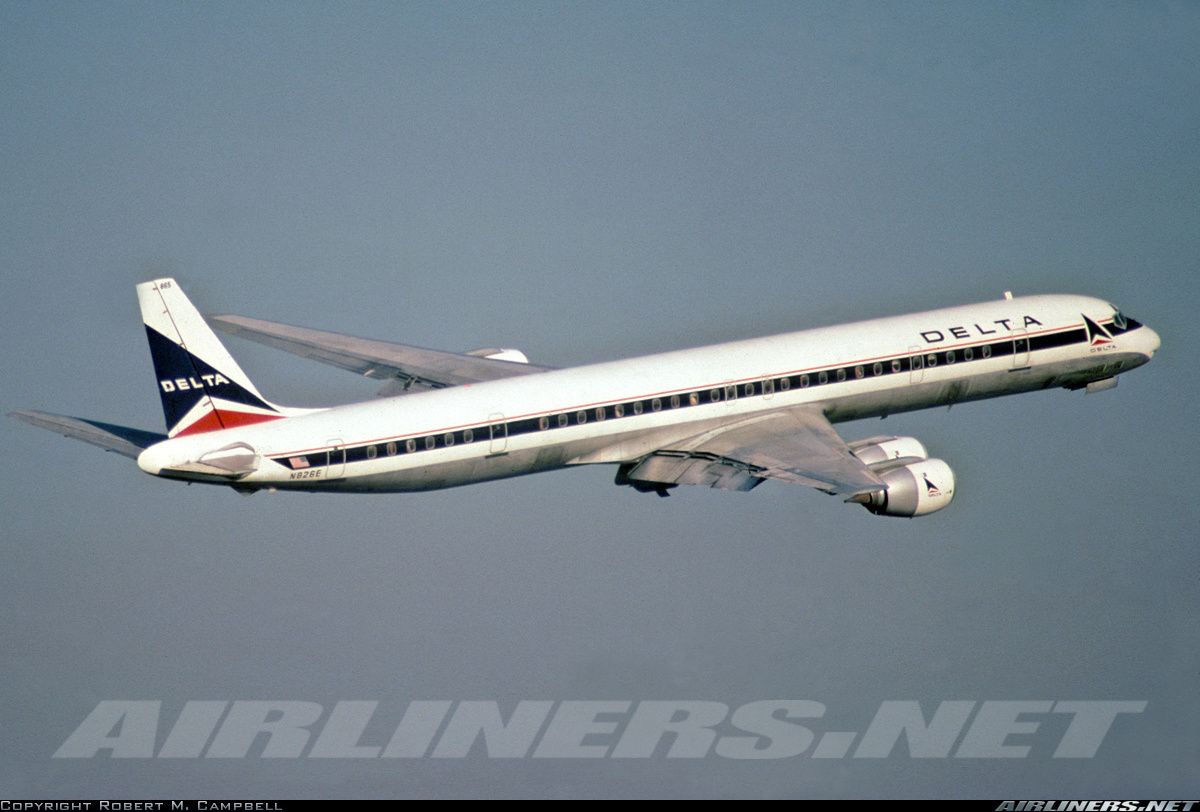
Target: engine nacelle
(498,354)
(913,489)
(878,450)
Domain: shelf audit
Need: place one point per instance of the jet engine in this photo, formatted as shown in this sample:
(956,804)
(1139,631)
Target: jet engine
(916,483)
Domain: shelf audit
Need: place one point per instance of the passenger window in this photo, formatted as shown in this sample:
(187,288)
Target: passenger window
(448,439)
(411,445)
(785,384)
(694,399)
(748,389)
(581,417)
(823,377)
(950,356)
(803,381)
(968,354)
(896,365)
(543,423)
(987,351)
(768,386)
(371,452)
(637,407)
(877,369)
(468,436)
(714,395)
(655,405)
(858,372)
(600,414)
(841,374)
(619,410)
(674,401)
(562,420)
(391,448)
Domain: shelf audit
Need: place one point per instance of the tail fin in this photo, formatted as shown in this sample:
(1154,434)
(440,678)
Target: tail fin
(202,387)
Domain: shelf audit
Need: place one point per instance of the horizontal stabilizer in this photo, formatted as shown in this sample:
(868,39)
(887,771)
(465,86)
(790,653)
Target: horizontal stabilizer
(121,439)
(379,359)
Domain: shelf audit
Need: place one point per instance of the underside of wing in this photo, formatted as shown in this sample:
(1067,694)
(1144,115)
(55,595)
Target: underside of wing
(797,445)
(121,439)
(401,364)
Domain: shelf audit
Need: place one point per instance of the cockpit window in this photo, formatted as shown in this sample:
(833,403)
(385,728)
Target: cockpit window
(1121,322)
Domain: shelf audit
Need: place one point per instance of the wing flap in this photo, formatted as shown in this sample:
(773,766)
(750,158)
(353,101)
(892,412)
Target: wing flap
(797,445)
(669,468)
(375,359)
(121,439)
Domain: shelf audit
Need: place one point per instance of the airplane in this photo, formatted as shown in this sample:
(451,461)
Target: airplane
(727,416)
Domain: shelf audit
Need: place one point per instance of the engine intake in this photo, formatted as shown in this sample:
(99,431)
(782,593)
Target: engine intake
(914,489)
(916,483)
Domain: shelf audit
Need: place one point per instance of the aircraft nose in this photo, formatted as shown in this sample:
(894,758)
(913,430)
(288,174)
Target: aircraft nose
(1151,342)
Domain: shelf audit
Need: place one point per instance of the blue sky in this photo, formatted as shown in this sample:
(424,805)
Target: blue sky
(587,182)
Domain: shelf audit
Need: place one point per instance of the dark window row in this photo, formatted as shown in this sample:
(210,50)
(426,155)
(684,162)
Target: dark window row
(633,408)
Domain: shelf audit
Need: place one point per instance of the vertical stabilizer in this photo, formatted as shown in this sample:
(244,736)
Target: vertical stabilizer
(202,387)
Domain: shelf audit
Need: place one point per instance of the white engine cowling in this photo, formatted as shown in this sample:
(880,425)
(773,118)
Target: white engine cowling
(914,489)
(878,450)
(498,354)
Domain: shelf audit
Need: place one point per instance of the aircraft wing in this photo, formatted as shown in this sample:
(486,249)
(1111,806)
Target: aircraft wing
(121,439)
(377,359)
(797,445)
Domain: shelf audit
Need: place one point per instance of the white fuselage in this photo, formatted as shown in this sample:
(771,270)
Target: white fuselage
(620,411)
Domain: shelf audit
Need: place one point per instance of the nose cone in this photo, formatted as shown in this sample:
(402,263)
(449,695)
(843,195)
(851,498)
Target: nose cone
(1150,342)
